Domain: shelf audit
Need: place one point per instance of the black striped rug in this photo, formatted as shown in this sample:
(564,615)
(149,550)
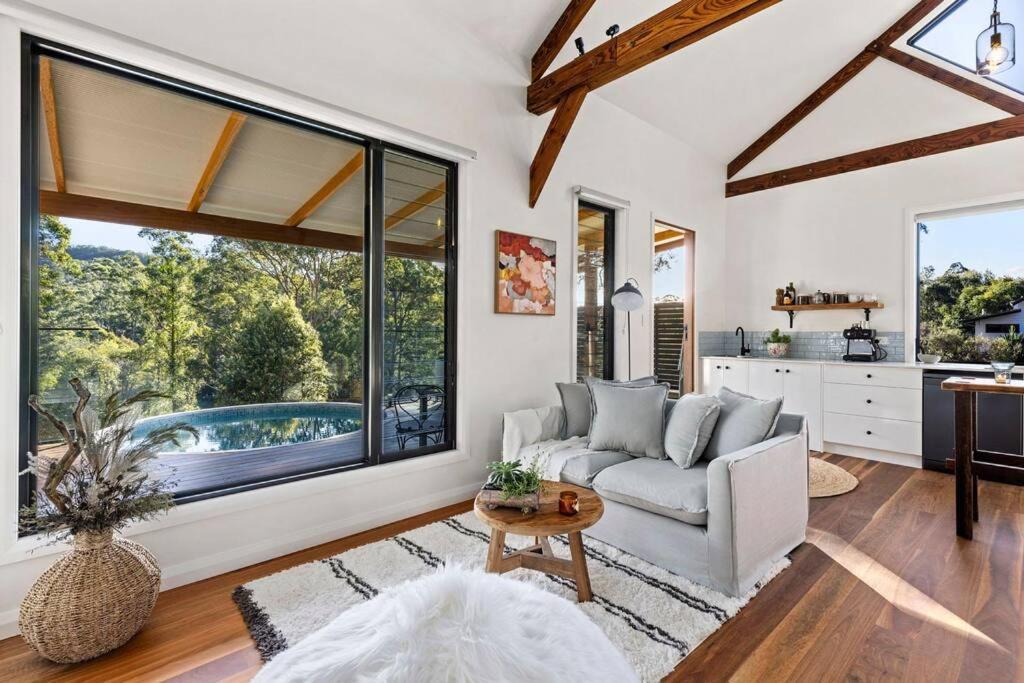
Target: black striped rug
(653,616)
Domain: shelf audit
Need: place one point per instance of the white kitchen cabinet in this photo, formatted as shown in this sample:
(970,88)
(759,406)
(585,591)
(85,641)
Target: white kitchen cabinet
(722,372)
(799,385)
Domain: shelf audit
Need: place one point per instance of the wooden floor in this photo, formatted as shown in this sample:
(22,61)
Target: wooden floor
(883,590)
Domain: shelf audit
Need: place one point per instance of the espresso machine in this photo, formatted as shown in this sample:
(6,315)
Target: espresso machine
(862,346)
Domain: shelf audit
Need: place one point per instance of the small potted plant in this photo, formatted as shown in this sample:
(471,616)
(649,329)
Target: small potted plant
(512,485)
(97,596)
(778,344)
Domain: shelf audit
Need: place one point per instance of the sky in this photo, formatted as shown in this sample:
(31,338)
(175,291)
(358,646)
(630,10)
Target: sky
(989,241)
(117,236)
(670,280)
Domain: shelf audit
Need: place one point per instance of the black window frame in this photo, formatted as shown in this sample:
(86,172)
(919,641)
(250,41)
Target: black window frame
(608,311)
(32,48)
(1001,328)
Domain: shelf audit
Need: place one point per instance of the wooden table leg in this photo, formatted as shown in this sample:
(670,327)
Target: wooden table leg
(579,563)
(495,551)
(965,439)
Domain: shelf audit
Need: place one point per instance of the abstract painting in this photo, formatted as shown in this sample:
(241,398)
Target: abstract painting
(526,274)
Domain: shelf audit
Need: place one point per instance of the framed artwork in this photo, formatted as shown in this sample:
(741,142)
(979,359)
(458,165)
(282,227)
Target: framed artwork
(526,274)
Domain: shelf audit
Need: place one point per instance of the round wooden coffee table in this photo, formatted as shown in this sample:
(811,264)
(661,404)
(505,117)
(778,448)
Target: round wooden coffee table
(543,523)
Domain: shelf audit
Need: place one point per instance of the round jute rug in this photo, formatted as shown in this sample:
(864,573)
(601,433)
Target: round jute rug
(829,480)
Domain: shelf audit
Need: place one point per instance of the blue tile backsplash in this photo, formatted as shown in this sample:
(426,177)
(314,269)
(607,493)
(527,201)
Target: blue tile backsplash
(805,345)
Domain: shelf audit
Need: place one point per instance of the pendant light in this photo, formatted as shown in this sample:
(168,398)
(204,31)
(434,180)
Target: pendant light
(995,46)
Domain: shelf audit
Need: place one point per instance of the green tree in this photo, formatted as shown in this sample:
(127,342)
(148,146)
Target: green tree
(413,321)
(170,349)
(276,356)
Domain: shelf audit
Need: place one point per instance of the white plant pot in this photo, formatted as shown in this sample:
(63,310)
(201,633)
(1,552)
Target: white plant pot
(778,350)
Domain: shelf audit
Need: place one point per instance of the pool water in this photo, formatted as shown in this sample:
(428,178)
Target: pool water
(258,426)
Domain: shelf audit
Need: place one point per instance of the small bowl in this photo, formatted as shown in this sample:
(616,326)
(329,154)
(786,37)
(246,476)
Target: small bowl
(929,358)
(856,298)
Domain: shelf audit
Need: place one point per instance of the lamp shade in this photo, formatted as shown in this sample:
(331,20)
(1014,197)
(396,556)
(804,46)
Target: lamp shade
(627,297)
(996,46)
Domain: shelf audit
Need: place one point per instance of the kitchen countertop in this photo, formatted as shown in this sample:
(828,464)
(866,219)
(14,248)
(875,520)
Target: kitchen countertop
(910,365)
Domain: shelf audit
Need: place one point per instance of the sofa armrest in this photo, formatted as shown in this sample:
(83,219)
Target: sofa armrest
(757,509)
(526,427)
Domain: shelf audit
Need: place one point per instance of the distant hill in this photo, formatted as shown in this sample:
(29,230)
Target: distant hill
(91,252)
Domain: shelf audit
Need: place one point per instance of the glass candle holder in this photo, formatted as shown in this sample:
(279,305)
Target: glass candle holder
(568,503)
(1003,372)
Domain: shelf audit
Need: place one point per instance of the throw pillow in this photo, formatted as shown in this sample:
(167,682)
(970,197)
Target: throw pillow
(629,419)
(578,405)
(689,428)
(743,421)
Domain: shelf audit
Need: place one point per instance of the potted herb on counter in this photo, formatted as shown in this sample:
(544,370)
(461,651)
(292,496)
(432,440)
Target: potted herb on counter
(778,344)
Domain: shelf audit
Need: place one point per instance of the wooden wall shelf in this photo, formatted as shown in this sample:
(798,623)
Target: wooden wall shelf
(865,306)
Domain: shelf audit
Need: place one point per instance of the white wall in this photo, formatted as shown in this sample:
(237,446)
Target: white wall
(419,74)
(847,233)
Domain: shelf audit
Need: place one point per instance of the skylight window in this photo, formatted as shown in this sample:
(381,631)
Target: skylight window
(951,36)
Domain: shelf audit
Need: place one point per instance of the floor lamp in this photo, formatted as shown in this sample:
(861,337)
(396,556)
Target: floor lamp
(628,298)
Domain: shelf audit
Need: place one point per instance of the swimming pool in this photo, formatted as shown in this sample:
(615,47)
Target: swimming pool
(266,425)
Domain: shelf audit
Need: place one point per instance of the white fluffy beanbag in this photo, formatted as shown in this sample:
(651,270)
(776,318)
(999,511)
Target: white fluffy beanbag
(456,625)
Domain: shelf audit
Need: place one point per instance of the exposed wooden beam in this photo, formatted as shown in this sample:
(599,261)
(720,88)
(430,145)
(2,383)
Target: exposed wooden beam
(415,206)
(554,138)
(981,134)
(682,24)
(50,114)
(833,84)
(666,236)
(333,184)
(978,91)
(216,160)
(144,216)
(810,103)
(571,17)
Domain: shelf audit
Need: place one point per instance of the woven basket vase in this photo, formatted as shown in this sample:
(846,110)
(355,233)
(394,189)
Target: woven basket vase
(92,600)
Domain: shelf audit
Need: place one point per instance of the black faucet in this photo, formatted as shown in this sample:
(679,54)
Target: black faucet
(744,349)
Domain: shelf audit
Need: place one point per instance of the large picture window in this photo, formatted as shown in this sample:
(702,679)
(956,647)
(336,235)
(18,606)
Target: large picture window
(287,287)
(971,285)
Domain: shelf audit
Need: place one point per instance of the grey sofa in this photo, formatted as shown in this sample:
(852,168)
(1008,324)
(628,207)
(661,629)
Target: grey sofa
(721,523)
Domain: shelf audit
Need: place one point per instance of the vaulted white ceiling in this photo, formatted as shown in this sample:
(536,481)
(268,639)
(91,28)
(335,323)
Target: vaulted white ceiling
(722,93)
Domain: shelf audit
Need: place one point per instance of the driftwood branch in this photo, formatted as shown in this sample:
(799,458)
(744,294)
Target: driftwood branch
(74,443)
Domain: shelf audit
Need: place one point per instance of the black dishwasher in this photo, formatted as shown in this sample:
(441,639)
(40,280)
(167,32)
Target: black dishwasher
(1000,422)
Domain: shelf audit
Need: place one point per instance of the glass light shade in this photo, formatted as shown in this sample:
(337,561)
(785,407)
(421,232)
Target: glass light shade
(627,298)
(996,49)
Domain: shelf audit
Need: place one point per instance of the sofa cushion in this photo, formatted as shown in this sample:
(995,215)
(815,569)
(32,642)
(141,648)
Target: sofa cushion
(578,405)
(658,486)
(629,419)
(582,468)
(743,421)
(689,428)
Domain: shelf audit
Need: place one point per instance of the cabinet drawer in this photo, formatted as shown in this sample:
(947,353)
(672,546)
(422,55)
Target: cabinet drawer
(873,432)
(873,375)
(885,402)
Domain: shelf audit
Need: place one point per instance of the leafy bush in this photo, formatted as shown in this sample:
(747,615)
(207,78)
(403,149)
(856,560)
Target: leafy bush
(275,356)
(1008,349)
(777,337)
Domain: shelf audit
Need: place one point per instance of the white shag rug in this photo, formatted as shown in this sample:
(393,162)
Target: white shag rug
(455,625)
(655,618)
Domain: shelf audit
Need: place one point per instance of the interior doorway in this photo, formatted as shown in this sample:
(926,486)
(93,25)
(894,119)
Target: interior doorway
(673,294)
